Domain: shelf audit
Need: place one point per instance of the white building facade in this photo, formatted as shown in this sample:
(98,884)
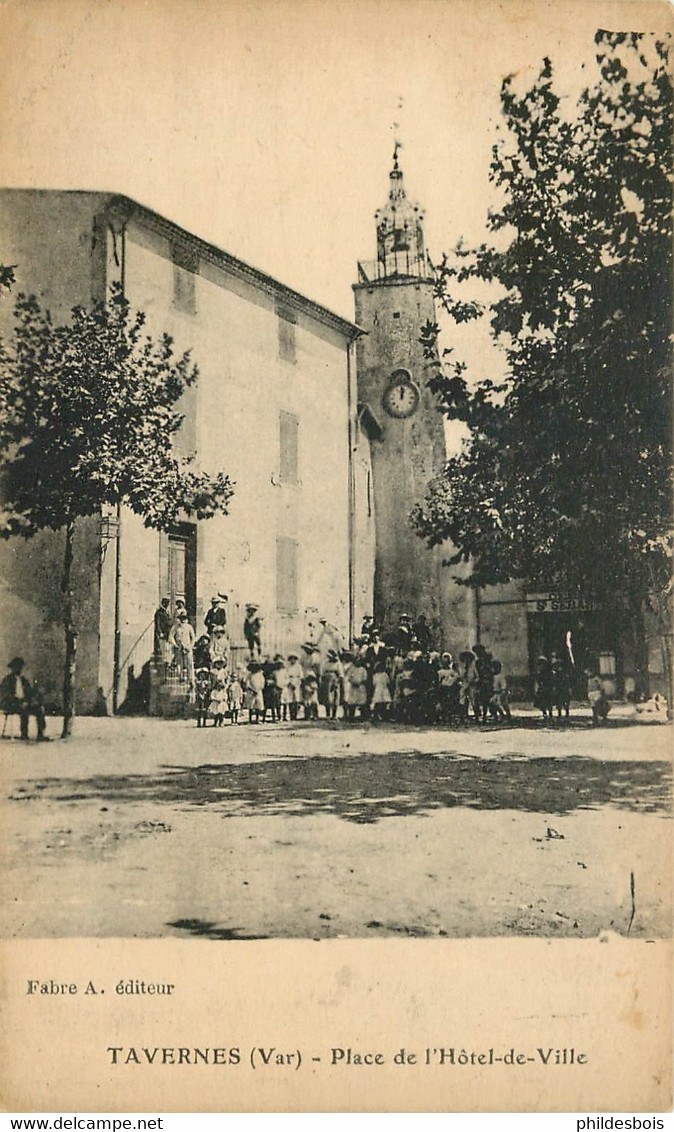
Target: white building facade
(274,407)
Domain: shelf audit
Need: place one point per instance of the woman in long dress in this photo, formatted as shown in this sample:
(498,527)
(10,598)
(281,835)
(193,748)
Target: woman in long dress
(381,692)
(182,637)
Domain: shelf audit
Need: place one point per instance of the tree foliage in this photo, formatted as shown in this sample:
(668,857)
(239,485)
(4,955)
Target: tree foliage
(565,473)
(88,418)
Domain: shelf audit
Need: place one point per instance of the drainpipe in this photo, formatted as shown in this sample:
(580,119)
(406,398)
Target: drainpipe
(117,653)
(117,650)
(351,486)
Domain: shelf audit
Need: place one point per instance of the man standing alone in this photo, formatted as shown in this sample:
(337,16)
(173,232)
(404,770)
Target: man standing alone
(19,697)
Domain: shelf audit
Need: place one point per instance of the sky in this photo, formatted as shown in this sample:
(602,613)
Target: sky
(267,126)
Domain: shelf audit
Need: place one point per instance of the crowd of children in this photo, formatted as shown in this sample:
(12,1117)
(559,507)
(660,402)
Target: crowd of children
(398,678)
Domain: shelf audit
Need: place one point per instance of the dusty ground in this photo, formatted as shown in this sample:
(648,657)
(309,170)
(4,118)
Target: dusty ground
(141,828)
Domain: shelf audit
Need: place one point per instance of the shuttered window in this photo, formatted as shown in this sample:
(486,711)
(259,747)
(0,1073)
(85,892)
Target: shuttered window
(287,344)
(288,430)
(287,582)
(185,268)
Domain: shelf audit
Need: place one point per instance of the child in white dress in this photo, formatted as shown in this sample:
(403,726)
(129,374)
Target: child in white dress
(380,704)
(217,707)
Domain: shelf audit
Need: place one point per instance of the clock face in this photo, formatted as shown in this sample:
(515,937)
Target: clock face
(401,398)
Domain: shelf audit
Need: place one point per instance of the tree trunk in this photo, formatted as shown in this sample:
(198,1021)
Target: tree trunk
(70,667)
(661,598)
(666,645)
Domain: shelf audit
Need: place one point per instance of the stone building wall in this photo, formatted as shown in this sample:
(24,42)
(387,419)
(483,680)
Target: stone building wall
(271,409)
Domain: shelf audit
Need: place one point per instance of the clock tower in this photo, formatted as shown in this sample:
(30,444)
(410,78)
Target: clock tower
(393,300)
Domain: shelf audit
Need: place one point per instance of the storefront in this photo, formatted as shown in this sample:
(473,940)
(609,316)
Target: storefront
(579,629)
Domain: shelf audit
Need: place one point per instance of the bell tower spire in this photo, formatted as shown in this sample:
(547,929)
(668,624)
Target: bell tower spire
(394,298)
(401,250)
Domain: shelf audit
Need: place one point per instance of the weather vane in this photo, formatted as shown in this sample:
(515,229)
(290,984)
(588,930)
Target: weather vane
(397,144)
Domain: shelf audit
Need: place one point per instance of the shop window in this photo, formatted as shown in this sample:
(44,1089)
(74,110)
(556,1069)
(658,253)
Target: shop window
(607,665)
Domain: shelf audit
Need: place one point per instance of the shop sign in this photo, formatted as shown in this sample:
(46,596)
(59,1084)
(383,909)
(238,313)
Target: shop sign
(555,602)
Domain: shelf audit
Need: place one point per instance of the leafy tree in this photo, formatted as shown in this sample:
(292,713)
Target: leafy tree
(88,418)
(565,473)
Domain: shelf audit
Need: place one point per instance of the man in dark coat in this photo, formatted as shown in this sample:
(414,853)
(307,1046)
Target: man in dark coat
(252,629)
(376,650)
(402,637)
(163,624)
(543,687)
(217,614)
(561,684)
(19,697)
(367,626)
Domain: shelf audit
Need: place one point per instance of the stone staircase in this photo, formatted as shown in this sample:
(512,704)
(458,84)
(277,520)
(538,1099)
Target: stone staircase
(170,698)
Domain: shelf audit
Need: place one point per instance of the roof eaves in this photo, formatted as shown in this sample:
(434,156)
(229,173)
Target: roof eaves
(211,252)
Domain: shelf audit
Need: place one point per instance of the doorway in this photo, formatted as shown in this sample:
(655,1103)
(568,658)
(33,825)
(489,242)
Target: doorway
(180,580)
(592,639)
